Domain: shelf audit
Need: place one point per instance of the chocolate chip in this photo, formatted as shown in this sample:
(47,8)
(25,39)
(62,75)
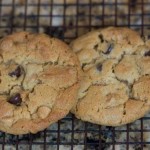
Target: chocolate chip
(109,49)
(101,38)
(99,67)
(96,46)
(15,99)
(16,72)
(147,53)
(83,65)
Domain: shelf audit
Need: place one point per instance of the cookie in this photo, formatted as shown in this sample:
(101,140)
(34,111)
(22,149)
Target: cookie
(39,80)
(116,86)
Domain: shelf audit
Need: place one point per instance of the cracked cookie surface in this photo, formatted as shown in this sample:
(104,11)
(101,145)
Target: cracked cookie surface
(39,80)
(116,86)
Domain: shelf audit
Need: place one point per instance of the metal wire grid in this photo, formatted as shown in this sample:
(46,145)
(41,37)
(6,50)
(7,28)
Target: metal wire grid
(104,137)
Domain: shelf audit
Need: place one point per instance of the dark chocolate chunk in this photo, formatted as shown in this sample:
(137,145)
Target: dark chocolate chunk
(99,67)
(83,65)
(15,99)
(16,72)
(109,49)
(101,38)
(147,53)
(96,46)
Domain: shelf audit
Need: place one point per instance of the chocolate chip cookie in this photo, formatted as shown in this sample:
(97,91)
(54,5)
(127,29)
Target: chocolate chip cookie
(116,86)
(39,80)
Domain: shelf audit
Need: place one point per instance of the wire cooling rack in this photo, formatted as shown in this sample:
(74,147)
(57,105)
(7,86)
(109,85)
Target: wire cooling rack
(67,19)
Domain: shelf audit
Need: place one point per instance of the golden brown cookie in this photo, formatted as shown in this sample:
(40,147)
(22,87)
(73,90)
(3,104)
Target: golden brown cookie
(116,86)
(39,79)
